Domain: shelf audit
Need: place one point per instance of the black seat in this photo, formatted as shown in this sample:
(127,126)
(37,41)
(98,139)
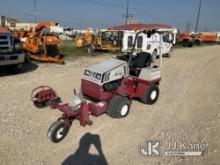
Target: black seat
(141,60)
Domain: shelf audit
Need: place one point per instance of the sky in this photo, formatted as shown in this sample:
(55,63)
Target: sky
(106,13)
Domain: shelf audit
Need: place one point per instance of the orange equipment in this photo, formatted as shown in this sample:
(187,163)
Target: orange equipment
(84,40)
(107,40)
(42,45)
(186,39)
(206,37)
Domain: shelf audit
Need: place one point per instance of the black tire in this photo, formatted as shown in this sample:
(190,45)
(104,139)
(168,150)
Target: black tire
(39,104)
(190,44)
(15,69)
(151,95)
(119,107)
(54,131)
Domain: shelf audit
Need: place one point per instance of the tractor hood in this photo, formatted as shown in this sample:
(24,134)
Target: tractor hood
(106,66)
(106,71)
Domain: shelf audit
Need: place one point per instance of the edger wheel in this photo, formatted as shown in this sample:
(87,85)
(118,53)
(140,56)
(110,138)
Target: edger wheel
(56,133)
(151,95)
(40,104)
(119,107)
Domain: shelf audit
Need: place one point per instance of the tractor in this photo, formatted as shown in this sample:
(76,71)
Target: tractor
(107,87)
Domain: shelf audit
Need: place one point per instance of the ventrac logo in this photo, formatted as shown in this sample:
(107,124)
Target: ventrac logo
(117,74)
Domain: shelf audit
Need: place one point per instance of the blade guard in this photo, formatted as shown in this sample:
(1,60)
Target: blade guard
(43,94)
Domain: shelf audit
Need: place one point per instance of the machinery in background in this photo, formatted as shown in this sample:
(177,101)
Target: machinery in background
(42,45)
(11,51)
(185,38)
(103,40)
(189,39)
(206,37)
(83,40)
(150,43)
(107,40)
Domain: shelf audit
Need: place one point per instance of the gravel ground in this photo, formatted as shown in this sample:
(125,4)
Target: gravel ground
(187,111)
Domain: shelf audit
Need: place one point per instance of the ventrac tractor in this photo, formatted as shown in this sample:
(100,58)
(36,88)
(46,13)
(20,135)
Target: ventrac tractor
(107,87)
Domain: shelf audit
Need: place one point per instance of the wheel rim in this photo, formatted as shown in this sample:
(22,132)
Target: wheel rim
(58,134)
(124,110)
(153,95)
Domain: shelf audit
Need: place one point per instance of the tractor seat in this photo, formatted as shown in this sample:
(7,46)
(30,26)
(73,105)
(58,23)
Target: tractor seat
(142,60)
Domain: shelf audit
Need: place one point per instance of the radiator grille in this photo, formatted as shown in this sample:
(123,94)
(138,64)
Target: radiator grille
(91,89)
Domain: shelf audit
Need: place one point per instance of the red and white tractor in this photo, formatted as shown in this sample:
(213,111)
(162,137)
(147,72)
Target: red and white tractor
(107,87)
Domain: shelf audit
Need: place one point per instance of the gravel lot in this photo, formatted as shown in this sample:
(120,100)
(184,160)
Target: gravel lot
(188,110)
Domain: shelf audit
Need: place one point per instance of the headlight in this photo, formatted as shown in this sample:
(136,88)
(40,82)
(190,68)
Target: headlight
(87,73)
(18,46)
(93,75)
(98,76)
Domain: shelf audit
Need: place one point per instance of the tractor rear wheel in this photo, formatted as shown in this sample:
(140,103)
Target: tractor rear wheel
(151,95)
(119,107)
(56,132)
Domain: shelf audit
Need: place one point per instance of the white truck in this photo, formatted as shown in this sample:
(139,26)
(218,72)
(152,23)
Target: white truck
(150,44)
(11,53)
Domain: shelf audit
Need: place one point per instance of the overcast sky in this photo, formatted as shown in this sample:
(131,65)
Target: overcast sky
(105,13)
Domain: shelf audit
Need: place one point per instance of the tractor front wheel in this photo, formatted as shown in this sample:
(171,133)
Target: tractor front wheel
(119,107)
(151,95)
(57,131)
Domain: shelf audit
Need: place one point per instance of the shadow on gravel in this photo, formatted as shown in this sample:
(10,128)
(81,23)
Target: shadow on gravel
(82,155)
(28,67)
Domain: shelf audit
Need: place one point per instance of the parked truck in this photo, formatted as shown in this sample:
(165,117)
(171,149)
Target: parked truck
(150,44)
(11,52)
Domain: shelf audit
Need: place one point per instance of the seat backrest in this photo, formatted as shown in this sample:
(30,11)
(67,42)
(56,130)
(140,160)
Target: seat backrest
(142,60)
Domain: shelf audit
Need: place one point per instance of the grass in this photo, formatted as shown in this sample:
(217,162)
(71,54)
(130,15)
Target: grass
(68,50)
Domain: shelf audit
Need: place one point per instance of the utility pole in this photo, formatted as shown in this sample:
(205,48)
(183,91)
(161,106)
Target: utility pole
(197,21)
(35,11)
(127,14)
(188,26)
